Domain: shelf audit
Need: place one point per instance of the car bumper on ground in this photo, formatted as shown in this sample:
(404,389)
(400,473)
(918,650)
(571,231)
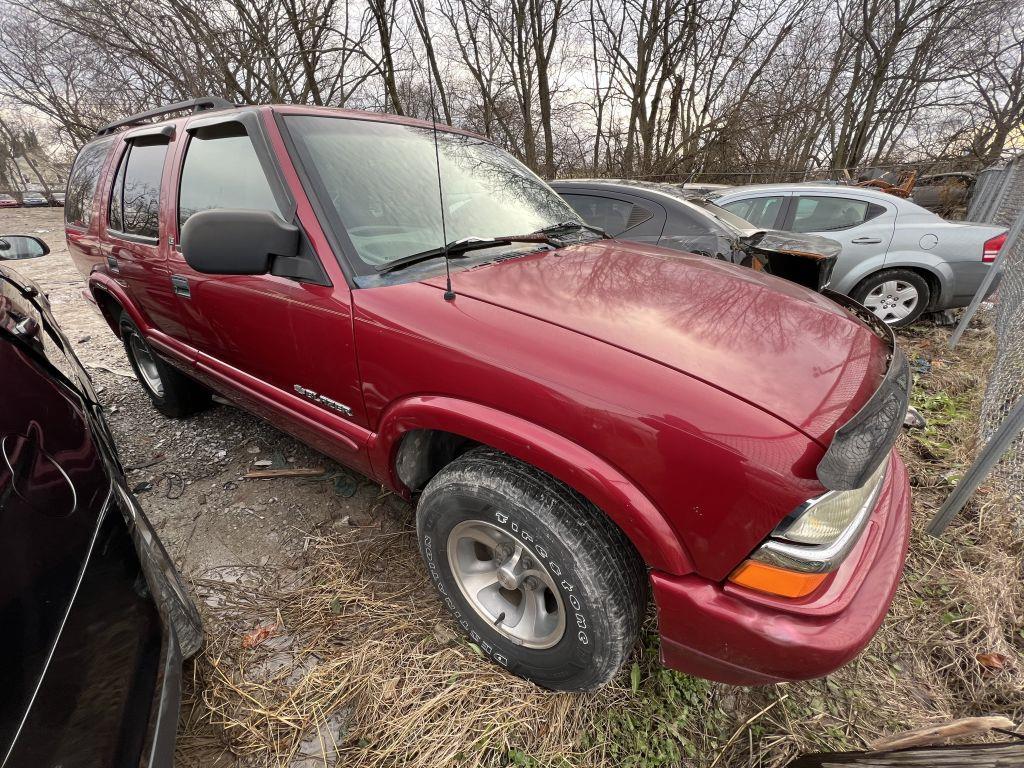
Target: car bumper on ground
(734,635)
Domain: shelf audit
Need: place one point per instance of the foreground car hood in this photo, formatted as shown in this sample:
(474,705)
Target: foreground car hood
(783,348)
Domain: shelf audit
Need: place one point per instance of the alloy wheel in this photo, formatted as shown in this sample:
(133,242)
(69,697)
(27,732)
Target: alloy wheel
(506,584)
(146,365)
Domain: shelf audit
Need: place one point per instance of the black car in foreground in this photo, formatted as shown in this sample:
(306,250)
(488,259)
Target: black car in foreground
(95,621)
(683,220)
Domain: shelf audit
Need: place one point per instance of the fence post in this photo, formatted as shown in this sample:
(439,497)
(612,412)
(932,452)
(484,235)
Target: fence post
(987,459)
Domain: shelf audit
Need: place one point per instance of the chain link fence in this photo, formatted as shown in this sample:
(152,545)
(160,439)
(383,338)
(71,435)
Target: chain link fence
(999,199)
(1005,207)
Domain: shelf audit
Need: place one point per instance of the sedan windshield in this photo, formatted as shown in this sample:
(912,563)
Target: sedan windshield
(380,180)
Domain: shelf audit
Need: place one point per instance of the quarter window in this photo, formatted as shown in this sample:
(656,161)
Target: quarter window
(222,171)
(762,212)
(613,216)
(135,197)
(82,183)
(830,214)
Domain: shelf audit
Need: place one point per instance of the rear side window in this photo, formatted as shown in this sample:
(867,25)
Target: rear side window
(222,171)
(683,223)
(85,174)
(135,196)
(613,216)
(762,212)
(830,214)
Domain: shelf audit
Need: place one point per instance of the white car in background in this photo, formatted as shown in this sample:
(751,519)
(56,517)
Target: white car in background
(898,259)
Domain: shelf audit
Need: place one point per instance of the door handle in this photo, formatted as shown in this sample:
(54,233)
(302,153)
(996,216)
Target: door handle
(180,285)
(866,240)
(112,264)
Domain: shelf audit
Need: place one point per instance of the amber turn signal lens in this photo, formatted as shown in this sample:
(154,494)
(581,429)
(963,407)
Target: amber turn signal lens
(776,581)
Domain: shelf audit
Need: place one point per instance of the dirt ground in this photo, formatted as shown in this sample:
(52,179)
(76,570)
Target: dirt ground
(326,646)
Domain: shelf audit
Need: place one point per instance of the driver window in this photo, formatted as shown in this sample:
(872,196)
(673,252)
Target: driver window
(759,211)
(221,170)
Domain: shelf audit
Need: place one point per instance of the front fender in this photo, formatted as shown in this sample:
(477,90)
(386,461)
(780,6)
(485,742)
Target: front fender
(588,474)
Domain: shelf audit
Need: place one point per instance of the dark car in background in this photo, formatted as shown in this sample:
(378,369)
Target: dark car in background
(684,220)
(95,619)
(943,193)
(57,199)
(34,200)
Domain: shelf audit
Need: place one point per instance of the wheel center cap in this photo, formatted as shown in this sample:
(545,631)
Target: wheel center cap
(507,580)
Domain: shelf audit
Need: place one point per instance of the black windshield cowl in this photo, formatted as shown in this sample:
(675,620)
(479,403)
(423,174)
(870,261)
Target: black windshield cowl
(458,248)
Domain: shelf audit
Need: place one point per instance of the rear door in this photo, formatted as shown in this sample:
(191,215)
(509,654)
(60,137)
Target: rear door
(133,228)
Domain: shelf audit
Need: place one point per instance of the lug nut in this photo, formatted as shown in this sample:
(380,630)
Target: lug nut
(531,583)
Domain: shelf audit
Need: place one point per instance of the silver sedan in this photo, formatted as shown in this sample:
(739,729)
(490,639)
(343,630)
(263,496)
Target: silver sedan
(898,259)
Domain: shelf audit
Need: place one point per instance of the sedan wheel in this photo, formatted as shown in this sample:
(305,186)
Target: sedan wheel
(893,300)
(896,296)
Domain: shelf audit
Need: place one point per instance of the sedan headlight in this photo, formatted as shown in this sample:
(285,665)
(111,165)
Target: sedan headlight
(812,541)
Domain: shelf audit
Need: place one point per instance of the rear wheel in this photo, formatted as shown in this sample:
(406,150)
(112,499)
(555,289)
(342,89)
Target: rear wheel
(173,393)
(896,296)
(540,579)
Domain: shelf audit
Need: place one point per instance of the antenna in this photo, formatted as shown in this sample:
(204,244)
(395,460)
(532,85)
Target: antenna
(449,294)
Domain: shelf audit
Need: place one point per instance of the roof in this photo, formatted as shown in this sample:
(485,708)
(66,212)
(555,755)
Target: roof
(659,189)
(867,193)
(146,120)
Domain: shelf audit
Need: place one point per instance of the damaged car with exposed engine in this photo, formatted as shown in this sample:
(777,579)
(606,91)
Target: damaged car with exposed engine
(581,422)
(684,220)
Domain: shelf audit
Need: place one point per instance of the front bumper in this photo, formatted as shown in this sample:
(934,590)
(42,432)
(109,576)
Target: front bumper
(734,635)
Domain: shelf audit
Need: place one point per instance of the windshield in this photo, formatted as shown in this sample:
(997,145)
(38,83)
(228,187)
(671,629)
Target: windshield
(380,179)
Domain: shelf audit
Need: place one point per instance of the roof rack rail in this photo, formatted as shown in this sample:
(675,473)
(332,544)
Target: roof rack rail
(195,105)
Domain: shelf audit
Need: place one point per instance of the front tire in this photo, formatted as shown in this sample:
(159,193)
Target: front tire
(172,393)
(897,296)
(538,577)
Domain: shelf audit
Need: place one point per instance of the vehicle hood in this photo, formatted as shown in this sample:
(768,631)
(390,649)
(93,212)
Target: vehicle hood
(781,347)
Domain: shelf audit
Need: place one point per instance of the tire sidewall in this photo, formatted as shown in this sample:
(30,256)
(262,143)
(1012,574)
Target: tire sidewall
(584,644)
(128,330)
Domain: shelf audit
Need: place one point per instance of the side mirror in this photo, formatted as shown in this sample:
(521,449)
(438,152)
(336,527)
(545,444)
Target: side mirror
(22,247)
(237,242)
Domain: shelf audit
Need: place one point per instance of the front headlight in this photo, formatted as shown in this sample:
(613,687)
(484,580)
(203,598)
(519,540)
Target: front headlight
(823,519)
(812,541)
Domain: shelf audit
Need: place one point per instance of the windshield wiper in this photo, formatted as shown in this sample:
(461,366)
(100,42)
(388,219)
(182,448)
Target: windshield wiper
(572,224)
(461,247)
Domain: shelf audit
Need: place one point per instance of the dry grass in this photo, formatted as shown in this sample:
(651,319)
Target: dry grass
(363,663)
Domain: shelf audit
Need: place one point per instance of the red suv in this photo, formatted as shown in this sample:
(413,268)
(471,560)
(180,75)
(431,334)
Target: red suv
(579,420)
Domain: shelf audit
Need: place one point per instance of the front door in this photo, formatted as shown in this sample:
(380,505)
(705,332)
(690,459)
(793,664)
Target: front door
(862,227)
(282,347)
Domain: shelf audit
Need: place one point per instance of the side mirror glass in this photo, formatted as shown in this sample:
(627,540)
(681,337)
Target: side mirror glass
(22,247)
(237,242)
